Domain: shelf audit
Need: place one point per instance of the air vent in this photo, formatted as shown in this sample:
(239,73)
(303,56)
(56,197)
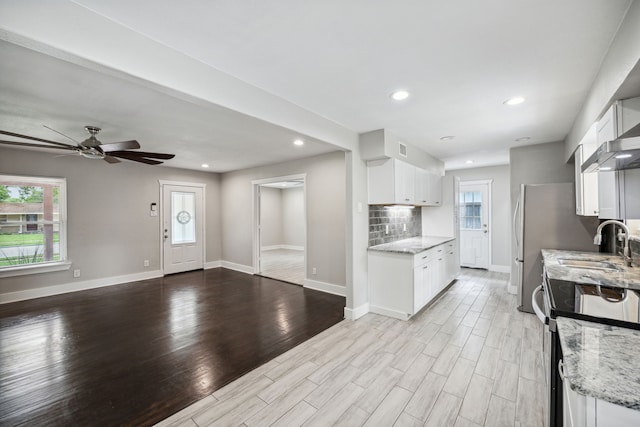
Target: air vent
(403,149)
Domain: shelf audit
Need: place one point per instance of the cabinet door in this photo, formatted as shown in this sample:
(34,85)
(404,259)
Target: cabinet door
(405,182)
(607,126)
(418,288)
(435,189)
(610,415)
(586,187)
(422,187)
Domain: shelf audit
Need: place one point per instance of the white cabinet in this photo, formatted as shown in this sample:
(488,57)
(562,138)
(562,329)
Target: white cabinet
(618,194)
(586,411)
(586,183)
(401,284)
(622,116)
(392,181)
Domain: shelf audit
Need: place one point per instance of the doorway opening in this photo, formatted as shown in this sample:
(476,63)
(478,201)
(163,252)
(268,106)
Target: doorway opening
(280,228)
(475,224)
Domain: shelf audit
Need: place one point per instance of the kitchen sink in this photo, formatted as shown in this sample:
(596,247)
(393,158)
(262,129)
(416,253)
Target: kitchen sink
(588,264)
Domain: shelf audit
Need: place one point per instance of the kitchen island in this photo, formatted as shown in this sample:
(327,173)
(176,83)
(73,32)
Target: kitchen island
(406,275)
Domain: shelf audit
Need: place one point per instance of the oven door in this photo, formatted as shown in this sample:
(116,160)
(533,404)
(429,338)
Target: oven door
(542,309)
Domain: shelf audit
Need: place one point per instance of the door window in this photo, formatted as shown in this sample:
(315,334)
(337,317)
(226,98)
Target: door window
(471,210)
(183,218)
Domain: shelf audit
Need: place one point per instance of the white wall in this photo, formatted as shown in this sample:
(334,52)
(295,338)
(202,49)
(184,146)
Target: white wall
(109,230)
(326,212)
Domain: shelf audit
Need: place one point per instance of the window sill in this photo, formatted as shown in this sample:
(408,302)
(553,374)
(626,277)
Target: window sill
(23,270)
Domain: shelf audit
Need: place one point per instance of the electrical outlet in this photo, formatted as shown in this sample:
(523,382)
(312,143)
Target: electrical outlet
(386,229)
(146,263)
(76,273)
(314,270)
(404,227)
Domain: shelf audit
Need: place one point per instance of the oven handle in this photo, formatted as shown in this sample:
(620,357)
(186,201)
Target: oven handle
(534,302)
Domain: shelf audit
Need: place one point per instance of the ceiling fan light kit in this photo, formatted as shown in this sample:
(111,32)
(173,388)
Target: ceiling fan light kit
(92,148)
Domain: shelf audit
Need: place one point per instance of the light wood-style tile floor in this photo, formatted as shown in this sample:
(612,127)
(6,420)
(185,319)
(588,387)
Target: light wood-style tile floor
(283,264)
(470,359)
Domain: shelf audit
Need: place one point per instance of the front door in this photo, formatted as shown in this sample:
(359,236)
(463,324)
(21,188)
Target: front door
(183,228)
(474,224)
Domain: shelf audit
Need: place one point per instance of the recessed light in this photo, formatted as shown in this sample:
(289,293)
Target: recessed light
(605,168)
(514,101)
(447,138)
(204,165)
(469,162)
(523,138)
(400,95)
(298,142)
(623,156)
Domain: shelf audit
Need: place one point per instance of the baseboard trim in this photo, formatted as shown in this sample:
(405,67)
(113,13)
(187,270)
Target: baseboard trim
(237,267)
(329,288)
(390,313)
(274,247)
(500,268)
(76,286)
(212,264)
(356,313)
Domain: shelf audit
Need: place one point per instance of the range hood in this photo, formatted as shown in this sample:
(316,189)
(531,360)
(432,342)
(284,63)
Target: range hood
(624,151)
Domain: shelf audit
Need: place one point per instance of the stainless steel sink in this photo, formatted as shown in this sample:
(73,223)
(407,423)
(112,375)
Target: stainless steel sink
(588,264)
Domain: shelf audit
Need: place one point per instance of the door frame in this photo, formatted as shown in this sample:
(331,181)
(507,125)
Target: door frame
(255,184)
(203,233)
(489,184)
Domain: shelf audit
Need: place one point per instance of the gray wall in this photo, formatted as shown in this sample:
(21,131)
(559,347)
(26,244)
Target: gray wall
(325,199)
(109,230)
(500,208)
(270,216)
(293,216)
(282,216)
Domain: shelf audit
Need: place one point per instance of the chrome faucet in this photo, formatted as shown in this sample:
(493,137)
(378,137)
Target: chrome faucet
(626,252)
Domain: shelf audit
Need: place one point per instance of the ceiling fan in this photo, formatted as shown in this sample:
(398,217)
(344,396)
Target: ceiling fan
(91,148)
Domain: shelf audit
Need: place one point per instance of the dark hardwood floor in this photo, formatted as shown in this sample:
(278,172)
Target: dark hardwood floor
(133,354)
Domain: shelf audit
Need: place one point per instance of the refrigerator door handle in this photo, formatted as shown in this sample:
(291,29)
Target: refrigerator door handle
(536,307)
(515,224)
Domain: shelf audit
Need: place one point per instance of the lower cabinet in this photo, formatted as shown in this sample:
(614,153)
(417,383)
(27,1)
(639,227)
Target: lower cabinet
(402,284)
(582,411)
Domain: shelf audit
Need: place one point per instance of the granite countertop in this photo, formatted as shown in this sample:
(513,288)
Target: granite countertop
(601,361)
(412,245)
(625,277)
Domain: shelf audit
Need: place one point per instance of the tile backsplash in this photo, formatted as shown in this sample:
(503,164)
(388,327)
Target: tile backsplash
(397,218)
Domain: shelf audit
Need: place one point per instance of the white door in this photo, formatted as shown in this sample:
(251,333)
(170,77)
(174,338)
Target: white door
(475,229)
(183,228)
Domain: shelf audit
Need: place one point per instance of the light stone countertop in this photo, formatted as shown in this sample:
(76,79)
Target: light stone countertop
(412,245)
(601,361)
(626,277)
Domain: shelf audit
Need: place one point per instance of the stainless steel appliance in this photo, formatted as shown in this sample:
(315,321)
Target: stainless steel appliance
(594,303)
(545,218)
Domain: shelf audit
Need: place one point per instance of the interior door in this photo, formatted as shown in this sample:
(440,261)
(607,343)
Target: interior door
(474,225)
(183,228)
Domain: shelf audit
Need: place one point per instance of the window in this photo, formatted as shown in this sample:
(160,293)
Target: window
(33,226)
(470,213)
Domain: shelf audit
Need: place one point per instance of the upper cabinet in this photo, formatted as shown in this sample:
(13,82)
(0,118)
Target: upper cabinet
(586,183)
(619,120)
(392,181)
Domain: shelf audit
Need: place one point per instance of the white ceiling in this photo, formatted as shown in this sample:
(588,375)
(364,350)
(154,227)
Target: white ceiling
(341,60)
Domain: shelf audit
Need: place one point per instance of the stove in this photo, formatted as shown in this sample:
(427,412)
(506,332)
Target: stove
(594,303)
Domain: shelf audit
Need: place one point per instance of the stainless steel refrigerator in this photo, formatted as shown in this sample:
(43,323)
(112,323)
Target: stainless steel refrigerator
(545,218)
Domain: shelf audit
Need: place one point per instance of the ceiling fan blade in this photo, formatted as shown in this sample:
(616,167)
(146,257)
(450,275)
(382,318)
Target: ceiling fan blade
(28,144)
(111,159)
(128,155)
(118,146)
(60,133)
(33,138)
(161,156)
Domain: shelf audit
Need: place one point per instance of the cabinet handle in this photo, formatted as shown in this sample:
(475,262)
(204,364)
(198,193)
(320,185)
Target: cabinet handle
(439,259)
(439,250)
(406,200)
(425,256)
(425,267)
